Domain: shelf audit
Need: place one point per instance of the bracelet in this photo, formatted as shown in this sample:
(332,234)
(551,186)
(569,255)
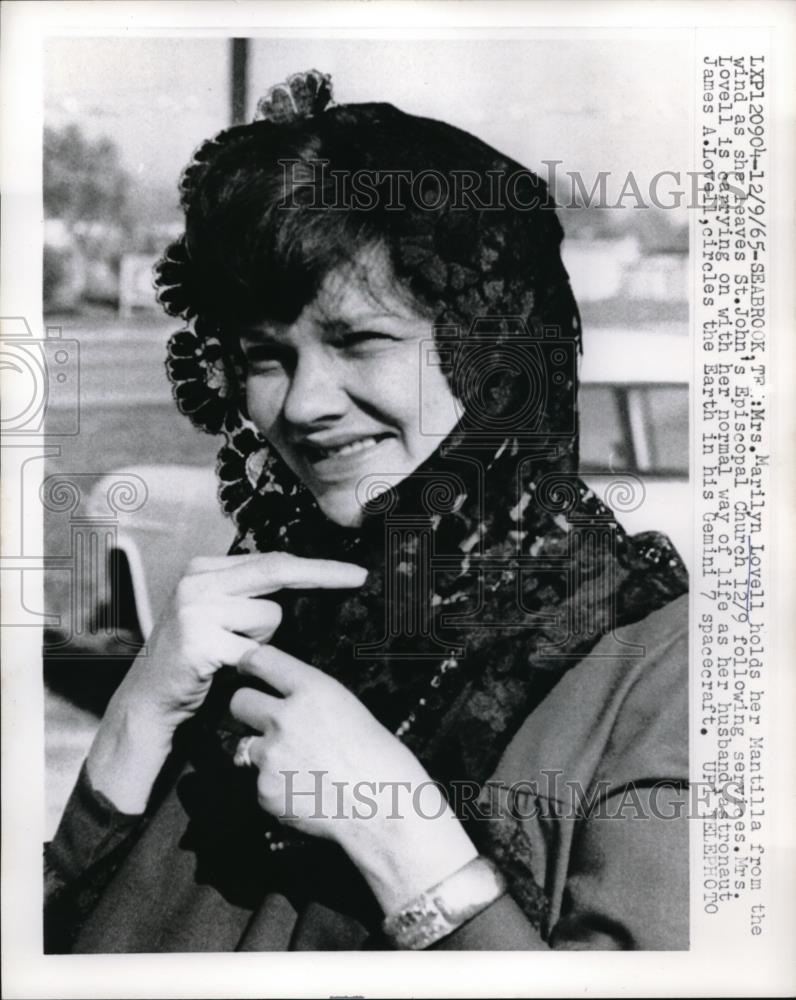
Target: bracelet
(437,912)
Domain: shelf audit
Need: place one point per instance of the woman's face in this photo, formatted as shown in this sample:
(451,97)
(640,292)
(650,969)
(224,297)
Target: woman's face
(337,392)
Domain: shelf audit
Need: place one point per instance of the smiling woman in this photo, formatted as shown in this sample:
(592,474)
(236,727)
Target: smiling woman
(336,392)
(343,733)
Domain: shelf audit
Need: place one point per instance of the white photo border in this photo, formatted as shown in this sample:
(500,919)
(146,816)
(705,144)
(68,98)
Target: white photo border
(765,967)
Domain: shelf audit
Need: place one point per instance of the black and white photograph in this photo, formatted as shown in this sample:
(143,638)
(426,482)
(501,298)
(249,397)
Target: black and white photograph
(411,646)
(395,421)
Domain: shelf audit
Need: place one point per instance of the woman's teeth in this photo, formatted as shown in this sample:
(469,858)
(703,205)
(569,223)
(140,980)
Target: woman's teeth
(349,449)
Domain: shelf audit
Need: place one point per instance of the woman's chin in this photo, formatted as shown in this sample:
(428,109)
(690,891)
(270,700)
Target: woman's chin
(343,510)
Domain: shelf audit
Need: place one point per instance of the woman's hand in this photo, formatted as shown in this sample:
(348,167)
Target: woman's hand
(327,767)
(216,615)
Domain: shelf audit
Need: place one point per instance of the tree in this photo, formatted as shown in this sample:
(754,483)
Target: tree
(83,179)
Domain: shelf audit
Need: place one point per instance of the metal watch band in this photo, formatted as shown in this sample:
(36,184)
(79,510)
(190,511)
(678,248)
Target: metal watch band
(437,912)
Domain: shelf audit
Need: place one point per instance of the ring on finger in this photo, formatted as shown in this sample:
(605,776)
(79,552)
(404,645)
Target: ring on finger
(242,756)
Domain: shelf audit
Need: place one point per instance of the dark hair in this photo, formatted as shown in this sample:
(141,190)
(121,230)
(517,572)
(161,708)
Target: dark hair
(267,220)
(267,217)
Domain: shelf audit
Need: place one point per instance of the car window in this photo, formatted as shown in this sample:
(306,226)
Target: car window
(667,427)
(634,428)
(604,432)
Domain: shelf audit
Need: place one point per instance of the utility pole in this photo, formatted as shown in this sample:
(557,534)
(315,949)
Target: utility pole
(239,83)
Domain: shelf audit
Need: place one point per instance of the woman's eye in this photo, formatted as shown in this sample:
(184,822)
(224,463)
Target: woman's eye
(363,341)
(265,368)
(261,359)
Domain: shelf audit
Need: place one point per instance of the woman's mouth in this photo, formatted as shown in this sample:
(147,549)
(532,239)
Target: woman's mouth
(339,458)
(319,453)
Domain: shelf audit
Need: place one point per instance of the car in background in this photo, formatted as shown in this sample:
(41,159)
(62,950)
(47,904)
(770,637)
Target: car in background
(180,520)
(634,430)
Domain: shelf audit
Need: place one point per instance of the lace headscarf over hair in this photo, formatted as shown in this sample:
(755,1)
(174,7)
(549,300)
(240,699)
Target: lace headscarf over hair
(460,264)
(494,281)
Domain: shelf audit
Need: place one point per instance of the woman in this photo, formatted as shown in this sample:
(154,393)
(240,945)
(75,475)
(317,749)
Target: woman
(473,668)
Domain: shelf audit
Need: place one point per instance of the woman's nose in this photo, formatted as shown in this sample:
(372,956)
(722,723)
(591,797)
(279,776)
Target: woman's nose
(316,392)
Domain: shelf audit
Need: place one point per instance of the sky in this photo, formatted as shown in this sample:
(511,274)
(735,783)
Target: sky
(594,103)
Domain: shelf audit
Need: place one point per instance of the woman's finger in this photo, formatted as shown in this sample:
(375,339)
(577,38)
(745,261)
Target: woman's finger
(272,571)
(206,564)
(281,671)
(226,649)
(249,616)
(254,708)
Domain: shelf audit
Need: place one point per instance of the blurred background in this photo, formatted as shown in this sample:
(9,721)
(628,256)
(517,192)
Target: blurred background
(122,117)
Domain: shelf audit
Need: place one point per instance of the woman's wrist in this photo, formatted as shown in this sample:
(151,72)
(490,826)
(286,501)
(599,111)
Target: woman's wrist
(403,856)
(127,754)
(439,911)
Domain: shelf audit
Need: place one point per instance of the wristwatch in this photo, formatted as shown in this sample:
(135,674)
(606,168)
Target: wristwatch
(437,912)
